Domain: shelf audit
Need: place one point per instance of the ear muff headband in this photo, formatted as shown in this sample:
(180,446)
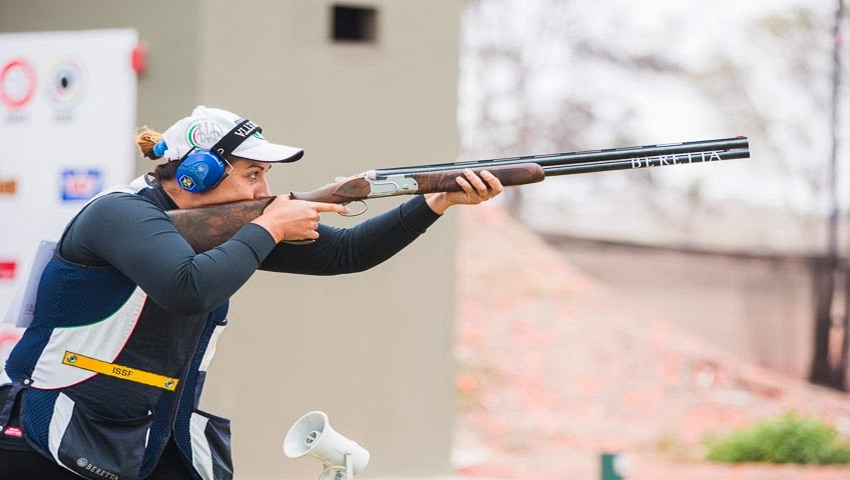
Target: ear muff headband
(202,170)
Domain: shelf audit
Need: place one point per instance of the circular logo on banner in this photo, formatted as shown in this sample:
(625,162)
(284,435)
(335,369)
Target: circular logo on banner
(65,85)
(17,83)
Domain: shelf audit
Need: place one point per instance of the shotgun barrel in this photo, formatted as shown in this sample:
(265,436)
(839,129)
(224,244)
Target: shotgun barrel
(608,159)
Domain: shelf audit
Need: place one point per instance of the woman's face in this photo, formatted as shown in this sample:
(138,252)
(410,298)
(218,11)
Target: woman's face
(246,181)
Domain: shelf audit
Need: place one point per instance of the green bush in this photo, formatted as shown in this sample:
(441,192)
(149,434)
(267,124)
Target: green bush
(787,439)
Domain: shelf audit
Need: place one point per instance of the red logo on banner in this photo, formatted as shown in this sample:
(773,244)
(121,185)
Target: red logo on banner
(8,186)
(7,270)
(17,83)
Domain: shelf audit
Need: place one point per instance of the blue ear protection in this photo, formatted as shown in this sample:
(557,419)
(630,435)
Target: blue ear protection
(202,170)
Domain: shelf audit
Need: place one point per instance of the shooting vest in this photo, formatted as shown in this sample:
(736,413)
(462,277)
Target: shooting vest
(107,376)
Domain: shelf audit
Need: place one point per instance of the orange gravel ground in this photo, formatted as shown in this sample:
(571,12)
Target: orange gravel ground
(554,369)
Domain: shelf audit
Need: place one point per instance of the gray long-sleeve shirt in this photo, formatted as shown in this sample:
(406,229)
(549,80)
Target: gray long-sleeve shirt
(133,234)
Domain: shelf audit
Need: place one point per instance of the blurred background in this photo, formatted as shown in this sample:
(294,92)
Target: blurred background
(608,318)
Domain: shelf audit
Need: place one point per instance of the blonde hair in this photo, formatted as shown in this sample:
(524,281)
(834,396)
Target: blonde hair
(145,140)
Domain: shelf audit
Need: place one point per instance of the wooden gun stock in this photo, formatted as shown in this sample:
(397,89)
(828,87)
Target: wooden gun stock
(208,227)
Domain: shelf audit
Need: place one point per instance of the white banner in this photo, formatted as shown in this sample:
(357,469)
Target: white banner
(67,117)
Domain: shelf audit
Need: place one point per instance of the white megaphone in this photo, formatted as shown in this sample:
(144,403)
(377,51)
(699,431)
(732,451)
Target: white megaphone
(312,435)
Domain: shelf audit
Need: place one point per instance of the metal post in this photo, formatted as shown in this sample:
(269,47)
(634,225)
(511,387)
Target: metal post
(615,466)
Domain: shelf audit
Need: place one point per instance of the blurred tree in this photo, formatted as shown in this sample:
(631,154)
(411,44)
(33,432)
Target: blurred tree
(830,357)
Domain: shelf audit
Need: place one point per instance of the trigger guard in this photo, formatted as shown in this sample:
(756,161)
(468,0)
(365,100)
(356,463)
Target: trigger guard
(361,212)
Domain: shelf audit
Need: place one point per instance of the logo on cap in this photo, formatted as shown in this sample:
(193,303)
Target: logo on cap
(203,133)
(247,128)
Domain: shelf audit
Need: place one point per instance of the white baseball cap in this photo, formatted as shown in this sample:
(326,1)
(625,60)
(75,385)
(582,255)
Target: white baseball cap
(206,126)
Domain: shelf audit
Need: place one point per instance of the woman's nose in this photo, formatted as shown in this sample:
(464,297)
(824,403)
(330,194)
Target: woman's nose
(264,190)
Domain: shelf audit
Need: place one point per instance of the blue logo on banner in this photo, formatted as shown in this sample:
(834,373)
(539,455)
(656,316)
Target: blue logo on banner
(81,184)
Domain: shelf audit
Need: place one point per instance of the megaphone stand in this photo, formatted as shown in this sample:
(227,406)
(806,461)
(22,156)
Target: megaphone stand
(347,470)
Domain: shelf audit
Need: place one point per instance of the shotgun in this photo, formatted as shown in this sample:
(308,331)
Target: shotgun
(210,226)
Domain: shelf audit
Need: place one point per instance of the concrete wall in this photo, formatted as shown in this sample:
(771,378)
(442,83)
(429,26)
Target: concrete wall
(758,309)
(374,349)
